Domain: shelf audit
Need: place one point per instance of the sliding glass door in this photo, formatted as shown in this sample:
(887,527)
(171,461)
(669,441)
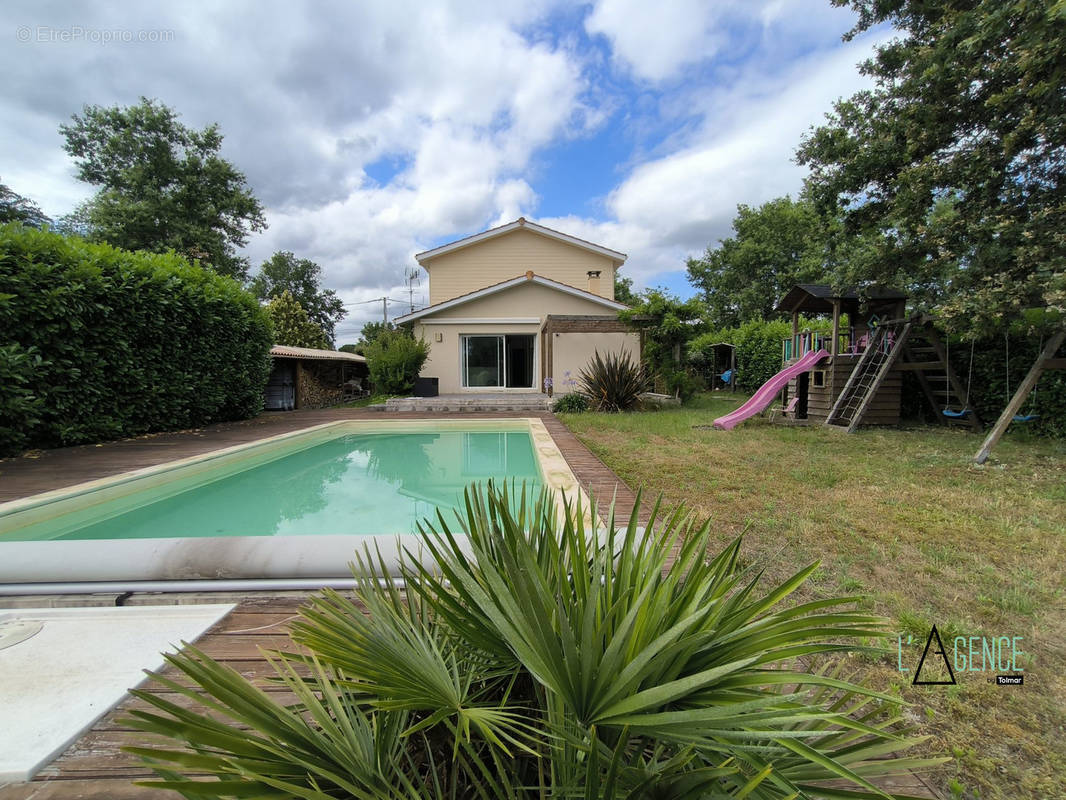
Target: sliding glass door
(501,361)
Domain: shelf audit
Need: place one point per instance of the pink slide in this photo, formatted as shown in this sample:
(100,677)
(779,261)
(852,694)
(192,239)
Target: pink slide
(768,391)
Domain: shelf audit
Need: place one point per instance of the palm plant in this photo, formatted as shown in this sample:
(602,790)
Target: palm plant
(614,383)
(554,658)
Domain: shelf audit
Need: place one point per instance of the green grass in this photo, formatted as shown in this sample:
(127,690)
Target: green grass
(905,518)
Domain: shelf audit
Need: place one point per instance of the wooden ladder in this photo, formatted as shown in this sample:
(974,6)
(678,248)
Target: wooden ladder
(865,380)
(927,358)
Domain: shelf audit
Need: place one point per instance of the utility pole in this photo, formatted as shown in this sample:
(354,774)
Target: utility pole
(385,310)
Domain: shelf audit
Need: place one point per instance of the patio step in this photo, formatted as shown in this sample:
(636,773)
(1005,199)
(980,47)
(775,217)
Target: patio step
(471,403)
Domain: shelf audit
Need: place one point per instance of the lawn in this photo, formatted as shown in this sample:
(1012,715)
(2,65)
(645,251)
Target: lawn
(903,518)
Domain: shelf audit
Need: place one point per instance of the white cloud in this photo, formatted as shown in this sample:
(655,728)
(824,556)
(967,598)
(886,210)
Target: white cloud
(456,103)
(672,207)
(656,41)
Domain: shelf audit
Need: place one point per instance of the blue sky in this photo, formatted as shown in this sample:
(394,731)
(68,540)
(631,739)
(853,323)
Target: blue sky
(371,131)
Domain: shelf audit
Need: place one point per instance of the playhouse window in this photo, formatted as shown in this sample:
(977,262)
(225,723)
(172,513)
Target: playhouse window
(818,378)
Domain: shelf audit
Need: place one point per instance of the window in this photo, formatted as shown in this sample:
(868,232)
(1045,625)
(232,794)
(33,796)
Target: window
(819,378)
(500,361)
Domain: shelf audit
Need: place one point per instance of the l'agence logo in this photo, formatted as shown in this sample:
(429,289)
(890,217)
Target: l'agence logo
(968,654)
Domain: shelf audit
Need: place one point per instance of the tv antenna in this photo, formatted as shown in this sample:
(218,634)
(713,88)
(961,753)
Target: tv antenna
(413,277)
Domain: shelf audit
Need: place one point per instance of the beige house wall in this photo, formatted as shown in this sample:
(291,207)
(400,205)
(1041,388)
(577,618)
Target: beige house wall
(510,255)
(444,362)
(520,309)
(525,301)
(573,351)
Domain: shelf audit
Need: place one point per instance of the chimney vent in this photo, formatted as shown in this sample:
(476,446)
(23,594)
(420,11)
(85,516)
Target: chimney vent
(594,281)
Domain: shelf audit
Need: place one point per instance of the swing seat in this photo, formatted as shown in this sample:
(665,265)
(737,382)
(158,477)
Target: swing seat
(963,412)
(1025,417)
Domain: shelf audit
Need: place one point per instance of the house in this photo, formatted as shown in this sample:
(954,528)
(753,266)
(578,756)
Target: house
(516,304)
(303,377)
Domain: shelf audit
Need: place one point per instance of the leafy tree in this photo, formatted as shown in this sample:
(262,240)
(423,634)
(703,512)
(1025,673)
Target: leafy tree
(162,185)
(372,331)
(775,246)
(302,278)
(350,348)
(16,208)
(668,324)
(623,290)
(394,360)
(955,159)
(292,326)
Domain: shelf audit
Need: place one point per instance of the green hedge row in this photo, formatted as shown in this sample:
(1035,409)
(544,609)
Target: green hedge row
(98,343)
(758,348)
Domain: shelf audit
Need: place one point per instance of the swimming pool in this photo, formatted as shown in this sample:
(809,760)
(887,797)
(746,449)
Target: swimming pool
(296,505)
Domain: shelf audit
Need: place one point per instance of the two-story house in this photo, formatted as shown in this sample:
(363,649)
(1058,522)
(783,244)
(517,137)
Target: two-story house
(513,305)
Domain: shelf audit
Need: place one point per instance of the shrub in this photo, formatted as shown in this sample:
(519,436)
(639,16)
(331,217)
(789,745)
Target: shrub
(758,348)
(292,326)
(541,658)
(615,383)
(394,360)
(100,343)
(684,384)
(571,403)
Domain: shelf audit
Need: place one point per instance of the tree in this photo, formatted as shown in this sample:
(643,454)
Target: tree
(302,278)
(162,185)
(775,246)
(372,331)
(668,324)
(394,360)
(623,290)
(954,160)
(292,326)
(16,208)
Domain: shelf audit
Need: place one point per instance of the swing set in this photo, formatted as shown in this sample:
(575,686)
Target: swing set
(965,411)
(1012,413)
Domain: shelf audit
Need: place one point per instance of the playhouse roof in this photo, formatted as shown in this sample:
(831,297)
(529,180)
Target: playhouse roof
(817,298)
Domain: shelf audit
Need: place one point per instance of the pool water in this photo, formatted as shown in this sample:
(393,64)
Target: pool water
(364,484)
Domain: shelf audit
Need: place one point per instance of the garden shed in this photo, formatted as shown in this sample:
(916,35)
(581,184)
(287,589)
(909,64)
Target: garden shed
(303,377)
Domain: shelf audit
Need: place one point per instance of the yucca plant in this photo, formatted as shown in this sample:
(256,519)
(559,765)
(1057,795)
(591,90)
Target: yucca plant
(614,383)
(553,659)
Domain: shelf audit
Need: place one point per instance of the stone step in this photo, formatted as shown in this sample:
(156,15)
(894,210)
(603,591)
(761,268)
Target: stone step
(468,403)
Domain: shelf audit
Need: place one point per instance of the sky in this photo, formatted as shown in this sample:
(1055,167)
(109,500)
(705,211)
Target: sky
(371,131)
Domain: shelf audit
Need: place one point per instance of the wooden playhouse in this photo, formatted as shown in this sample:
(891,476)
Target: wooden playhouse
(858,379)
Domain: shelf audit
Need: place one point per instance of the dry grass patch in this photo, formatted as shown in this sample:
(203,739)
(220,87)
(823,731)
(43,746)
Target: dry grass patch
(904,518)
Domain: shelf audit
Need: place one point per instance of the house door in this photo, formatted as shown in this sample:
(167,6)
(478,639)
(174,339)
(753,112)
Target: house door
(502,361)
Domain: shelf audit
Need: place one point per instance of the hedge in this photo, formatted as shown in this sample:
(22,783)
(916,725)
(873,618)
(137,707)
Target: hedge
(98,343)
(758,348)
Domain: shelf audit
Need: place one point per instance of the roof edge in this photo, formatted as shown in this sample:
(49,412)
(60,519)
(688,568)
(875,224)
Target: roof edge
(520,223)
(495,288)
